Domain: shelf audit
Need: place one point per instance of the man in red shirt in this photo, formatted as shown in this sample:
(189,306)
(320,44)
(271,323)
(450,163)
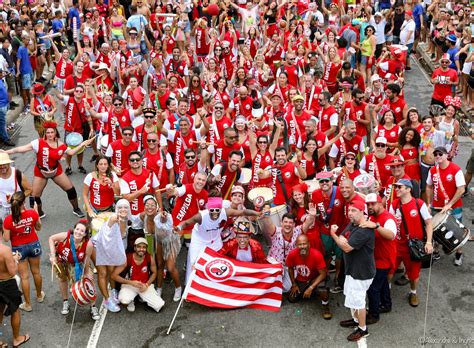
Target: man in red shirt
(397,167)
(409,211)
(140,274)
(308,272)
(349,142)
(223,147)
(358,111)
(376,163)
(443,79)
(76,77)
(190,166)
(137,182)
(119,151)
(225,174)
(296,118)
(242,247)
(241,105)
(328,117)
(190,199)
(219,123)
(330,205)
(159,162)
(385,253)
(444,188)
(395,102)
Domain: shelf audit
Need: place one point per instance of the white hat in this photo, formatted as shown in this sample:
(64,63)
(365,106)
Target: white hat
(4,158)
(257,112)
(102,66)
(375,77)
(381,140)
(378,14)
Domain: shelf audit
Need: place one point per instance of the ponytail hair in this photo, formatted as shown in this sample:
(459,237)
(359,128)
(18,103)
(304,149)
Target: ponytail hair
(17,200)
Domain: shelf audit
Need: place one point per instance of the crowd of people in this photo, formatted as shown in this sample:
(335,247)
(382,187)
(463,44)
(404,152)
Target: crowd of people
(206,123)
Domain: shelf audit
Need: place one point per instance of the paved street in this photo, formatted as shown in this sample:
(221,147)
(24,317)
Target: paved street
(449,313)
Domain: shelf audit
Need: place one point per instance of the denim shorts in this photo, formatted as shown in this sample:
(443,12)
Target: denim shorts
(28,250)
(26,81)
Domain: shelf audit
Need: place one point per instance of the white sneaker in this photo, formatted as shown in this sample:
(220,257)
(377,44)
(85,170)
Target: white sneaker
(177,294)
(111,305)
(115,296)
(458,259)
(95,313)
(159,291)
(131,307)
(65,310)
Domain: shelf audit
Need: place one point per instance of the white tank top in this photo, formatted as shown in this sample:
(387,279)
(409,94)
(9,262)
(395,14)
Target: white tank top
(209,231)
(8,187)
(448,128)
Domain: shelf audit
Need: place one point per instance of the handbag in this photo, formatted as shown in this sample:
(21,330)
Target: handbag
(416,247)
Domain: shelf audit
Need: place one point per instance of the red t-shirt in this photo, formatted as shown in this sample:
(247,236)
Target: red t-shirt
(335,214)
(64,68)
(23,232)
(119,154)
(189,204)
(448,181)
(443,86)
(63,250)
(289,178)
(307,268)
(139,272)
(385,251)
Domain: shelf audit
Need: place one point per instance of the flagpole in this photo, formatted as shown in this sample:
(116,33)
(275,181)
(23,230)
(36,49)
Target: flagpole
(186,290)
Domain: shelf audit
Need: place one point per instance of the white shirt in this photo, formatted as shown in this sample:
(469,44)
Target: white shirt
(407,32)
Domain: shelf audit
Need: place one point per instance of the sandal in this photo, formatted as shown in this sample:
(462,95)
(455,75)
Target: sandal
(25,307)
(41,298)
(26,338)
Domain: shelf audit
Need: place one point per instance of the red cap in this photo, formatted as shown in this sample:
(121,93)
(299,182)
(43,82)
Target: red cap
(397,160)
(408,12)
(373,198)
(358,205)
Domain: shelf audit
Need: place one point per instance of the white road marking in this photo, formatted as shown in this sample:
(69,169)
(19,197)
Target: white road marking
(95,334)
(362,343)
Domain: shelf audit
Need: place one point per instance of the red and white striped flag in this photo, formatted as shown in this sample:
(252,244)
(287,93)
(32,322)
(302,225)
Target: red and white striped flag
(226,283)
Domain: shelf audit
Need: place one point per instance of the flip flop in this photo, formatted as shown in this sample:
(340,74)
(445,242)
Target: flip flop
(3,344)
(26,339)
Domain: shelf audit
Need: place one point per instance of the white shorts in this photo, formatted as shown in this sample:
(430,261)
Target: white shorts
(355,291)
(60,84)
(466,68)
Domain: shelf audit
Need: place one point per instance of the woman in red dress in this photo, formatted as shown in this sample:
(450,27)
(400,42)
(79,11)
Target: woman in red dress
(409,143)
(332,65)
(388,129)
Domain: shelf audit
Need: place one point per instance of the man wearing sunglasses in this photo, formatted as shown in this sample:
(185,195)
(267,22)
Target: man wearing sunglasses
(117,118)
(444,189)
(158,161)
(376,163)
(191,165)
(328,117)
(349,142)
(208,225)
(358,111)
(190,199)
(223,147)
(183,138)
(407,212)
(225,174)
(219,123)
(397,167)
(330,206)
(137,182)
(119,150)
(141,132)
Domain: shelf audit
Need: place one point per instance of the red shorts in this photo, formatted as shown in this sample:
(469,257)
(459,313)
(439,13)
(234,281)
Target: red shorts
(412,268)
(37,172)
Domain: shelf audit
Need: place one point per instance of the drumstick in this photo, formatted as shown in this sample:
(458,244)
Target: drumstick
(162,189)
(204,142)
(57,267)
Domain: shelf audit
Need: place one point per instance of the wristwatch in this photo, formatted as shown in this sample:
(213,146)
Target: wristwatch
(377,225)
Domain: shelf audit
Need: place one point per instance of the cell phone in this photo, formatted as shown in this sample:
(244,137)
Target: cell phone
(240,41)
(32,201)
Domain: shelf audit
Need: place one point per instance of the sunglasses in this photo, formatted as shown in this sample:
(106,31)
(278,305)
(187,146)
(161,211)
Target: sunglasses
(438,154)
(127,134)
(151,140)
(350,158)
(190,157)
(118,104)
(218,108)
(380,145)
(263,142)
(398,187)
(324,181)
(234,137)
(215,210)
(136,159)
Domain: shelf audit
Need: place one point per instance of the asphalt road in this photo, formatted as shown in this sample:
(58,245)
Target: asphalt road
(448,320)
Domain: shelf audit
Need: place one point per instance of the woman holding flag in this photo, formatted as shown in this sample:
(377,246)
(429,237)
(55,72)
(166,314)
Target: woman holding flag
(70,255)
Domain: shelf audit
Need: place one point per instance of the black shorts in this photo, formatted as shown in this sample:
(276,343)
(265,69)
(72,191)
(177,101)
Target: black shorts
(10,295)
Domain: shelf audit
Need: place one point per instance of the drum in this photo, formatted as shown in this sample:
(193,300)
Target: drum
(259,196)
(83,292)
(104,143)
(449,232)
(73,140)
(98,221)
(246,176)
(276,214)
(365,184)
(313,185)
